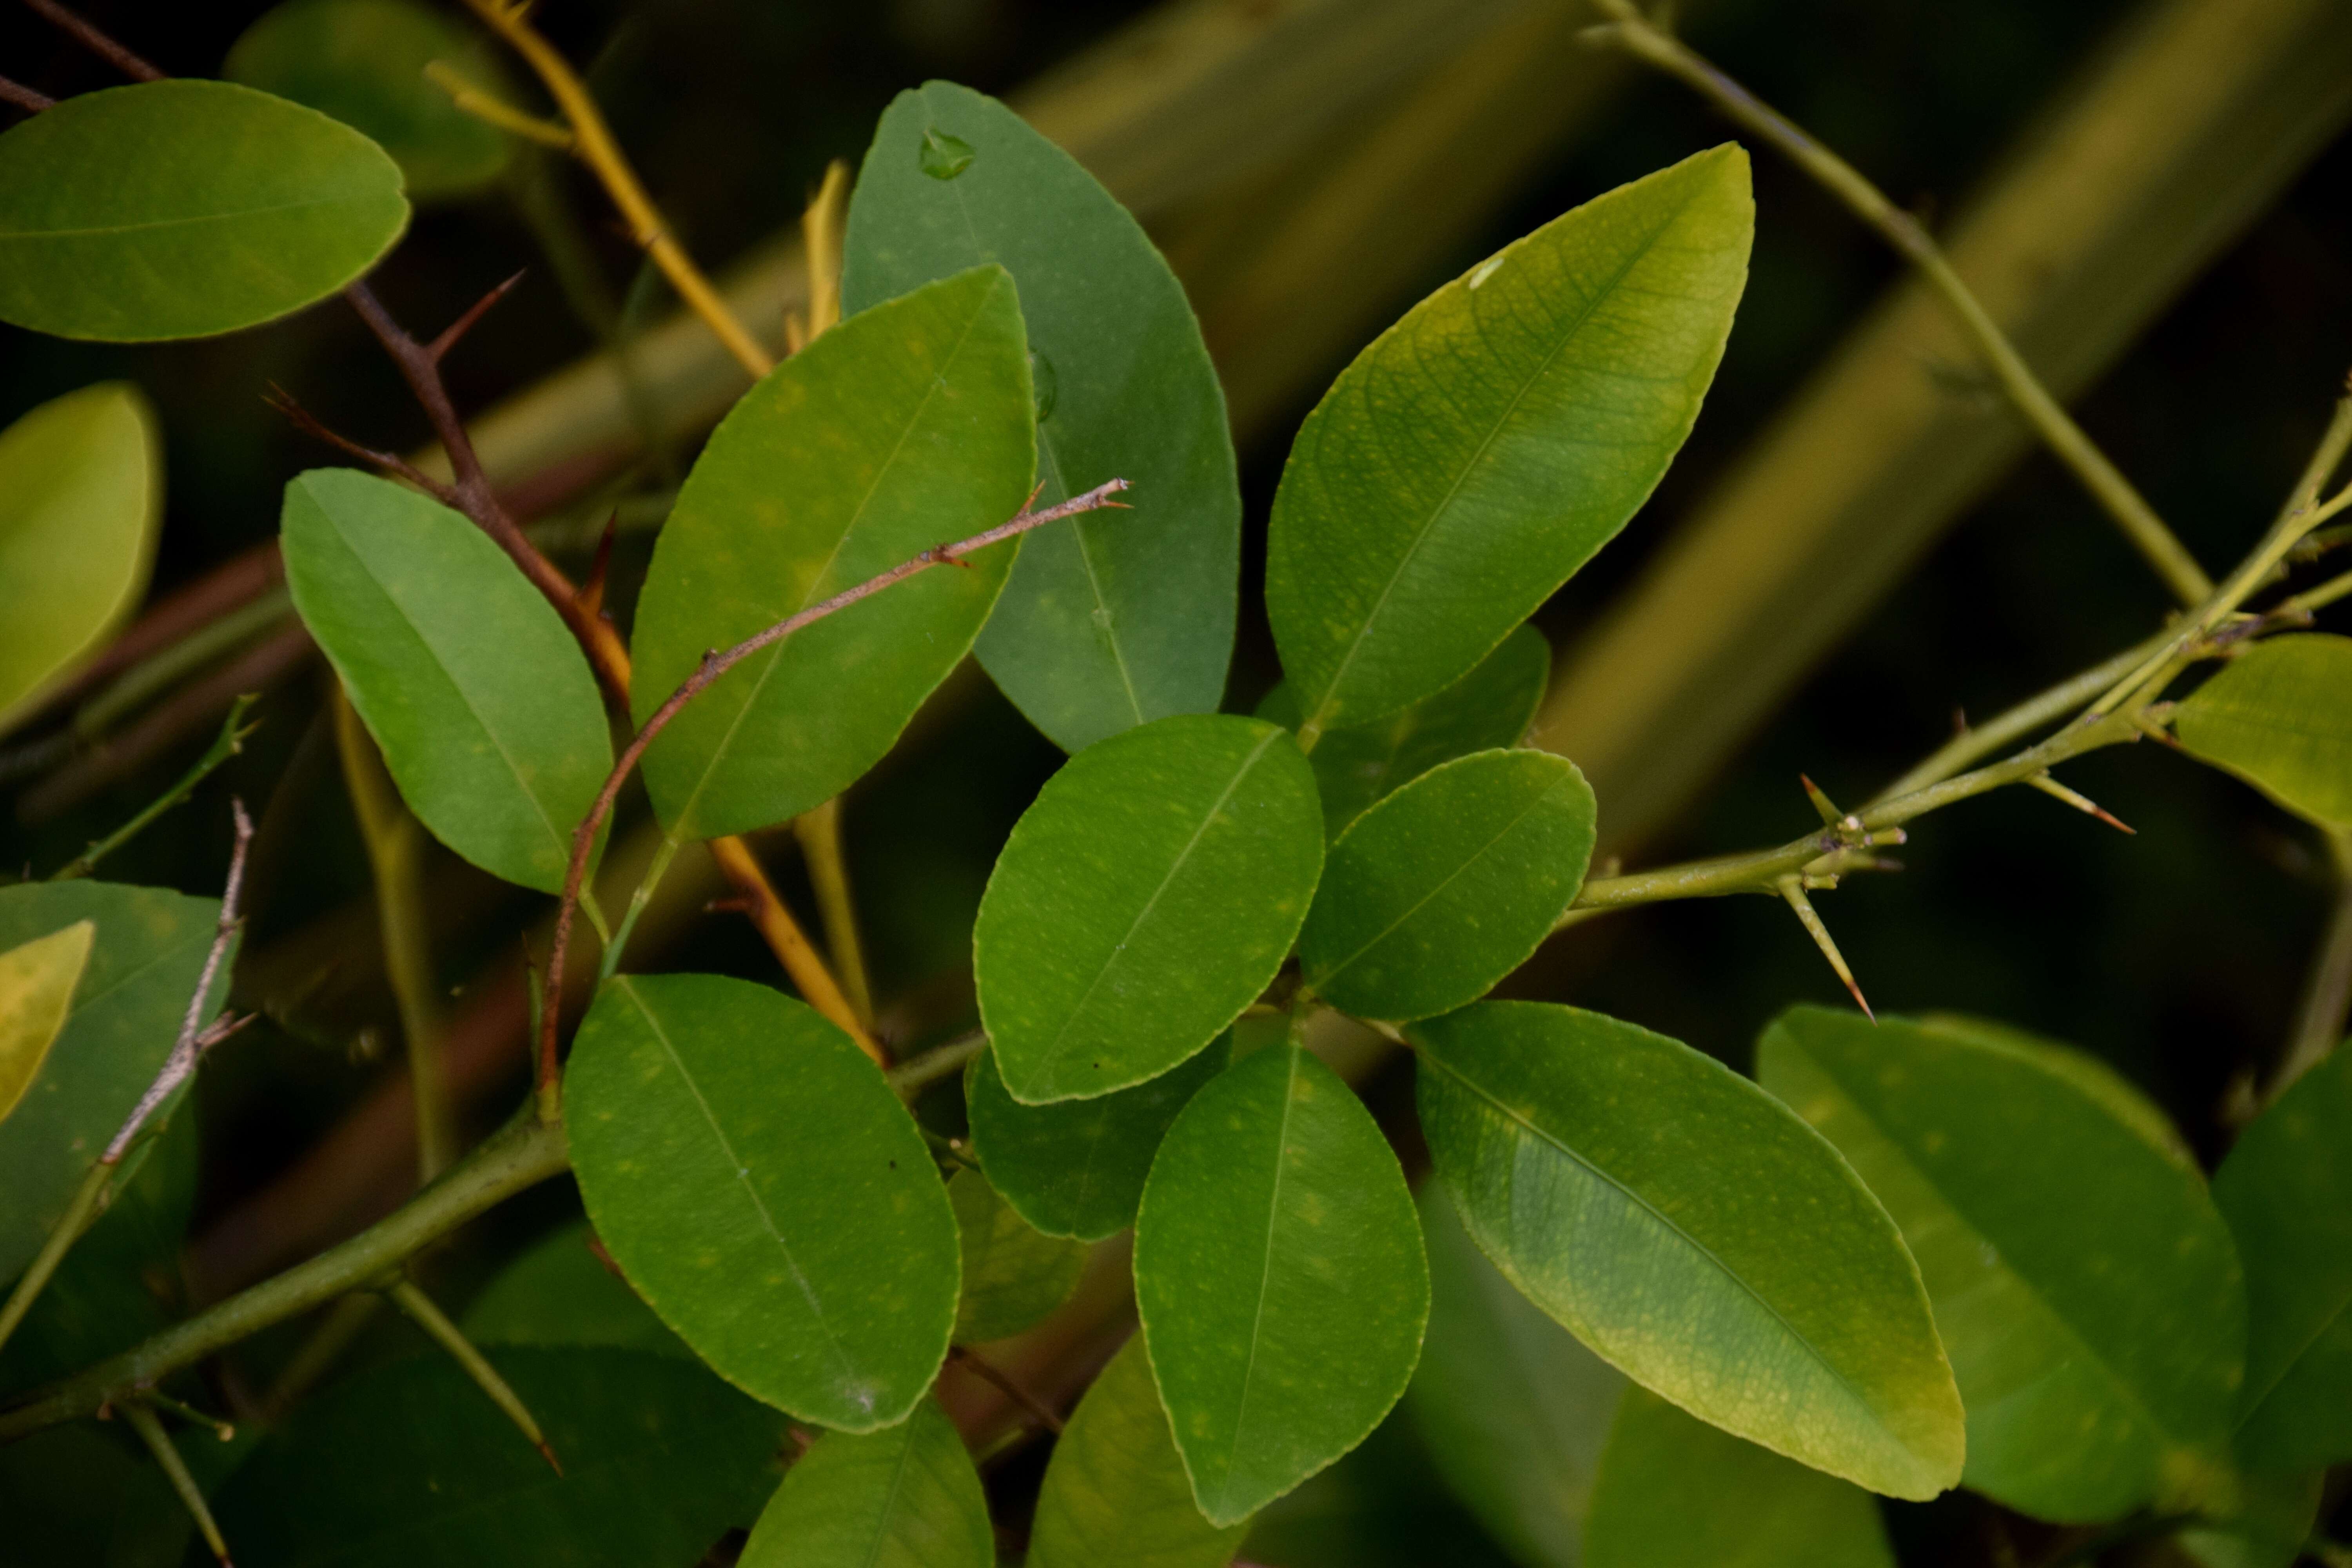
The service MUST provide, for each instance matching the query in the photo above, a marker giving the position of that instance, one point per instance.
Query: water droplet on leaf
(943, 156)
(1044, 384)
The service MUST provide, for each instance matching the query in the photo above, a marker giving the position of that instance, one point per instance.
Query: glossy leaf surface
(363, 61)
(37, 986)
(904, 427)
(410, 1463)
(1514, 1410)
(2084, 1285)
(1112, 619)
(1077, 1167)
(765, 1193)
(483, 704)
(905, 1496)
(1116, 1490)
(1485, 446)
(2279, 717)
(1279, 1274)
(1675, 1491)
(182, 209)
(143, 965)
(1492, 706)
(1013, 1276)
(560, 1293)
(2286, 1191)
(1145, 899)
(1694, 1233)
(1448, 885)
(81, 495)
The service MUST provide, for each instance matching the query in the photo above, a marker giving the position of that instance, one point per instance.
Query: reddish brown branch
(438, 349)
(23, 97)
(310, 424)
(1039, 1411)
(95, 42)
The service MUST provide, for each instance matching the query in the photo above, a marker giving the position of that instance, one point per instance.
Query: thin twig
(452, 334)
(471, 99)
(23, 97)
(1039, 1411)
(283, 403)
(2319, 1021)
(911, 1078)
(95, 42)
(228, 744)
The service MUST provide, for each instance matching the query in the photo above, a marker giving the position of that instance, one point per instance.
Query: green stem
(192, 1497)
(87, 1204)
(646, 886)
(230, 741)
(910, 1078)
(2319, 1023)
(427, 1315)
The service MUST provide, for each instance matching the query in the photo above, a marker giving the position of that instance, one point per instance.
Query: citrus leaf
(906, 426)
(905, 1496)
(765, 1193)
(1110, 619)
(2279, 717)
(1484, 447)
(363, 61)
(37, 987)
(1145, 898)
(2286, 1191)
(89, 1496)
(1279, 1275)
(1514, 1410)
(182, 209)
(560, 1293)
(1674, 1491)
(409, 1464)
(1694, 1233)
(1077, 1167)
(1492, 706)
(1114, 1490)
(81, 495)
(1014, 1277)
(2271, 1523)
(481, 701)
(1448, 885)
(2083, 1284)
(144, 962)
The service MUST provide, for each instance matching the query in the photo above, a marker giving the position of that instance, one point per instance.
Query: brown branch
(1037, 1408)
(23, 97)
(282, 402)
(95, 42)
(438, 349)
(713, 666)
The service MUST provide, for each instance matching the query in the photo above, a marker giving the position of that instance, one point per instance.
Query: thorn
(2082, 802)
(1793, 888)
(596, 1246)
(941, 555)
(282, 402)
(547, 1453)
(1822, 803)
(458, 329)
(590, 595)
(734, 904)
(428, 1316)
(2153, 728)
(1960, 722)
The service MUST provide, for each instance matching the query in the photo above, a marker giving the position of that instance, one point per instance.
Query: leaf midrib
(1265, 1268)
(194, 220)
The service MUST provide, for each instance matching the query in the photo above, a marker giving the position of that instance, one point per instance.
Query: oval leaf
(1279, 1275)
(1485, 446)
(560, 1293)
(88, 1496)
(1675, 1491)
(1145, 899)
(1448, 885)
(81, 494)
(144, 961)
(2286, 1191)
(1076, 1168)
(1492, 706)
(1114, 1490)
(1682, 1224)
(904, 427)
(410, 1463)
(2271, 1523)
(905, 1496)
(1012, 1275)
(1111, 619)
(37, 987)
(2084, 1285)
(180, 210)
(482, 702)
(2279, 717)
(765, 1193)
(363, 61)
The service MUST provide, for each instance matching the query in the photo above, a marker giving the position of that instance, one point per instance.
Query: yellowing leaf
(37, 987)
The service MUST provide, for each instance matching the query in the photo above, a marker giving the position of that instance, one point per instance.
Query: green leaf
(409, 1464)
(182, 209)
(1448, 885)
(2279, 717)
(363, 61)
(1014, 1277)
(81, 496)
(906, 426)
(1145, 898)
(560, 1293)
(1076, 1168)
(1675, 1491)
(143, 966)
(1485, 446)
(1111, 618)
(1279, 1275)
(765, 1193)
(2275, 1517)
(482, 702)
(1492, 706)
(88, 1496)
(905, 1496)
(1682, 1223)
(1116, 1491)
(1514, 1410)
(2084, 1285)
(37, 986)
(2286, 1191)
